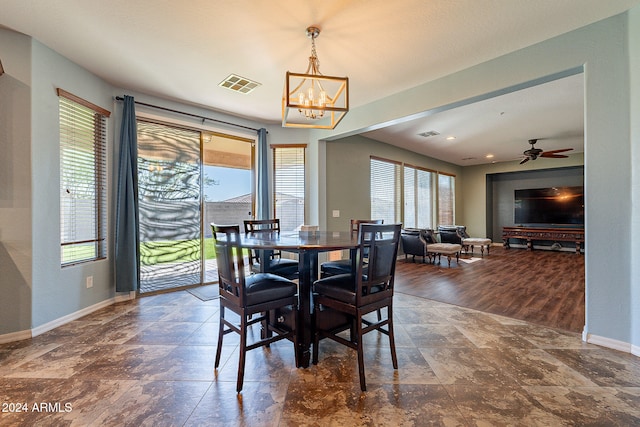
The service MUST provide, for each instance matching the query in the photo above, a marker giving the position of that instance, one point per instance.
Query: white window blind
(446, 199)
(83, 203)
(386, 190)
(418, 197)
(288, 185)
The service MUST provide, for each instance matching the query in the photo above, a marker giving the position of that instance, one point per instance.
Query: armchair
(415, 241)
(458, 234)
(452, 233)
(422, 242)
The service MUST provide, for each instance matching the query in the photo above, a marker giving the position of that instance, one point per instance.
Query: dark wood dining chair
(277, 265)
(357, 295)
(344, 266)
(261, 293)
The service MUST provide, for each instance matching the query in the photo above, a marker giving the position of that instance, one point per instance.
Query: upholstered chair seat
(263, 287)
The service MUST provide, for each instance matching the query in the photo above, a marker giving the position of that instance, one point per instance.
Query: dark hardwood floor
(542, 287)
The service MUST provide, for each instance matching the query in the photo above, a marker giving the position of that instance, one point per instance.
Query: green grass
(151, 253)
(172, 251)
(78, 253)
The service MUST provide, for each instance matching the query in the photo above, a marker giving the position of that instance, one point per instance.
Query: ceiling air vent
(239, 84)
(429, 133)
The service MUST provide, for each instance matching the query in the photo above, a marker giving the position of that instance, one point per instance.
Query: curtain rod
(119, 98)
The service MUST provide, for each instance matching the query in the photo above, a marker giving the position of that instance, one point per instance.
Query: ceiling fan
(533, 153)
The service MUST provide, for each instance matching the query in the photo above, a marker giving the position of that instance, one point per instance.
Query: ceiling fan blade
(562, 150)
(554, 156)
(525, 160)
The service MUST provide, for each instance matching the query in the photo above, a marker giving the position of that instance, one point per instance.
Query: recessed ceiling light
(451, 138)
(489, 156)
(239, 84)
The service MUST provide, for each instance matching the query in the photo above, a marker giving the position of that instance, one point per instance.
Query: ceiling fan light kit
(533, 153)
(321, 101)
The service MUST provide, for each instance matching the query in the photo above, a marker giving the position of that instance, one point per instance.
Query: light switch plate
(336, 214)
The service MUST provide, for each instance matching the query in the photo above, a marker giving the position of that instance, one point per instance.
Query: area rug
(205, 293)
(470, 260)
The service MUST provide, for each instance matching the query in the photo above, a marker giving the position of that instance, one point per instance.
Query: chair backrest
(261, 226)
(355, 227)
(452, 233)
(379, 244)
(231, 274)
(355, 223)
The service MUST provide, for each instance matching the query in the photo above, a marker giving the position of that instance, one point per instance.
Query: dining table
(308, 245)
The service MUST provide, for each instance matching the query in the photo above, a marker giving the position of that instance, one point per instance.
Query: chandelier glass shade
(321, 101)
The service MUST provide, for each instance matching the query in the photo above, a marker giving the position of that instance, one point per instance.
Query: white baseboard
(34, 332)
(635, 350)
(609, 343)
(15, 336)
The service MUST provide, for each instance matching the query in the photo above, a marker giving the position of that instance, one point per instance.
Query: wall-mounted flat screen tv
(553, 205)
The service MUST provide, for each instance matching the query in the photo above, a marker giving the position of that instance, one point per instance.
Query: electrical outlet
(89, 282)
(336, 214)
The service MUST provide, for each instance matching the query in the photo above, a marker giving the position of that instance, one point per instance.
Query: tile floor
(149, 362)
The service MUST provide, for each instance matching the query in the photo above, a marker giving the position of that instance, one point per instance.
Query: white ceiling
(499, 127)
(183, 50)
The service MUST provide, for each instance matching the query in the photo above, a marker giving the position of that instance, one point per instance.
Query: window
(288, 185)
(446, 199)
(410, 194)
(82, 179)
(386, 190)
(418, 197)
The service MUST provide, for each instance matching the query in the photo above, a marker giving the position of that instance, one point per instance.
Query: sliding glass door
(227, 187)
(169, 194)
(187, 180)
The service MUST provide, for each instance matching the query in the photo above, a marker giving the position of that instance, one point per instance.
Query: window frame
(395, 189)
(275, 168)
(71, 108)
(452, 180)
(400, 190)
(432, 175)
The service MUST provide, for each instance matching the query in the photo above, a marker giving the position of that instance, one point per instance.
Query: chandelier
(321, 101)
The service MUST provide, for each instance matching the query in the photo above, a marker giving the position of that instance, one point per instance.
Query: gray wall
(612, 113)
(57, 291)
(501, 200)
(634, 50)
(602, 51)
(477, 215)
(348, 176)
(15, 183)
